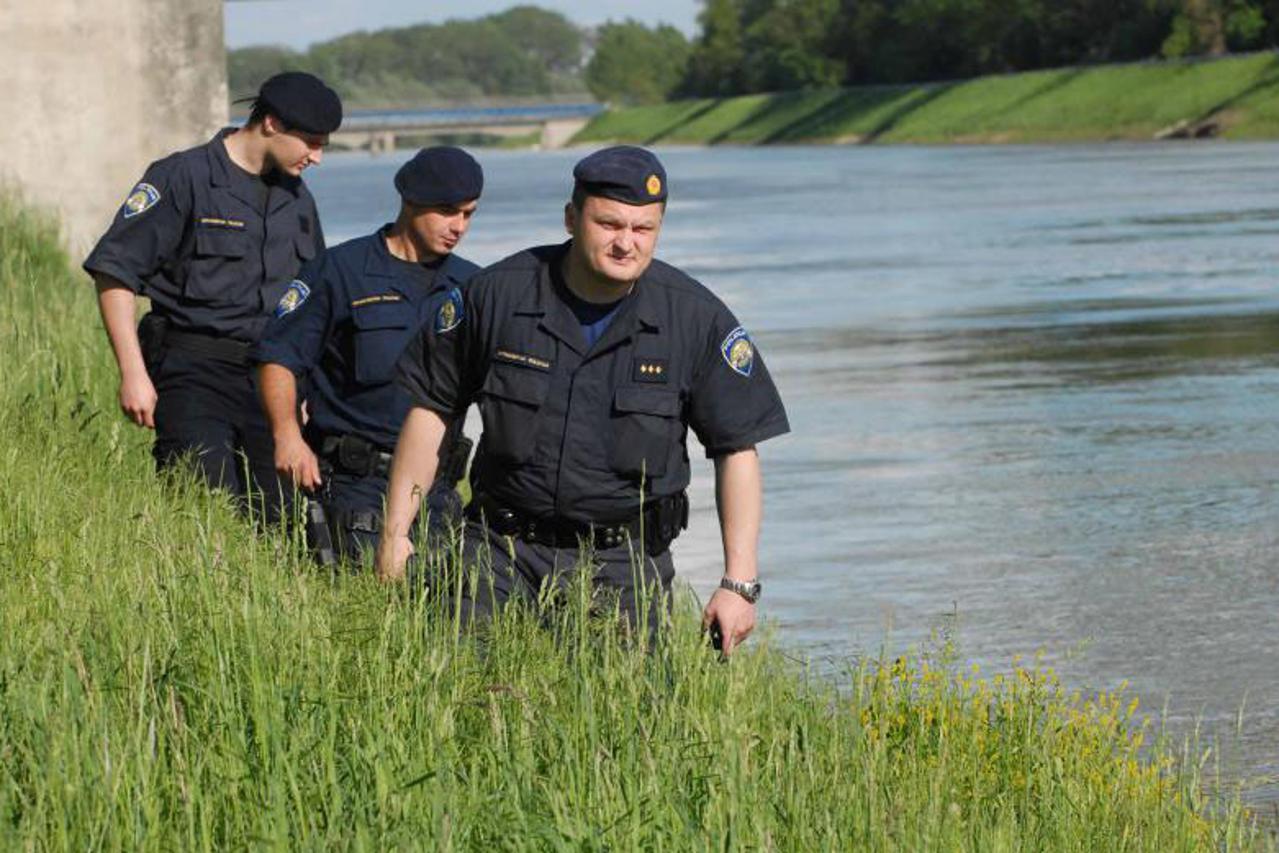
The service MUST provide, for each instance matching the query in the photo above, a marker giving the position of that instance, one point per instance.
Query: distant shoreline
(1234, 97)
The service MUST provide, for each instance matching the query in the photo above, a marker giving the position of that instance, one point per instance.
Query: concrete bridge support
(94, 91)
(557, 133)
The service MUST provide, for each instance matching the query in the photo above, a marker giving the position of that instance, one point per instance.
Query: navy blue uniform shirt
(571, 430)
(361, 307)
(200, 238)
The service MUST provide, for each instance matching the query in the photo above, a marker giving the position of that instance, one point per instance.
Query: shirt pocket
(305, 245)
(218, 269)
(381, 334)
(643, 427)
(509, 400)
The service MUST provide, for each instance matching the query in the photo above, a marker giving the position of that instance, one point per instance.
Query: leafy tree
(637, 65)
(790, 46)
(524, 51)
(715, 64)
(249, 66)
(547, 38)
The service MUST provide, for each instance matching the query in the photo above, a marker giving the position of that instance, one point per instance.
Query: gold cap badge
(654, 185)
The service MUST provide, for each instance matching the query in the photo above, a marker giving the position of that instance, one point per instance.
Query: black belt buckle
(610, 536)
(504, 522)
(355, 455)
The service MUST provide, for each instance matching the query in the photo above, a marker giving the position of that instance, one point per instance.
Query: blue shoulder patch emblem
(142, 199)
(738, 351)
(293, 297)
(450, 314)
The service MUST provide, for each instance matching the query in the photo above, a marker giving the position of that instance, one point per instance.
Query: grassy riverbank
(169, 680)
(1239, 94)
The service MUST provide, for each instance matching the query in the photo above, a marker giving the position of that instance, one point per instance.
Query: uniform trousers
(208, 410)
(354, 506)
(501, 569)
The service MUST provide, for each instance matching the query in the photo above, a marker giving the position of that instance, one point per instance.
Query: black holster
(667, 518)
(453, 458)
(152, 330)
(319, 537)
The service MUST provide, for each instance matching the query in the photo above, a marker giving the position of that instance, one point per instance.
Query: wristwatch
(748, 590)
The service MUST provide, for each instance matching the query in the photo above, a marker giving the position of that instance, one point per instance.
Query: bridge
(380, 130)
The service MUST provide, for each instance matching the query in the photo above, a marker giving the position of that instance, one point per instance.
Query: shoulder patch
(449, 315)
(738, 351)
(142, 199)
(293, 297)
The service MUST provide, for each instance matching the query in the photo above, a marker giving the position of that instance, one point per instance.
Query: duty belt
(350, 454)
(659, 524)
(226, 349)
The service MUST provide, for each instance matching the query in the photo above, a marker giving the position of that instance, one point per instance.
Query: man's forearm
(117, 304)
(278, 389)
(413, 468)
(739, 497)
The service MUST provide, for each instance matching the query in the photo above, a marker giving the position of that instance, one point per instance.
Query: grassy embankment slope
(1075, 104)
(171, 681)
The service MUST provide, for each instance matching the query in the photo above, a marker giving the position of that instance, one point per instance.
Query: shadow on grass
(767, 112)
(683, 120)
(851, 105)
(1056, 82)
(1269, 80)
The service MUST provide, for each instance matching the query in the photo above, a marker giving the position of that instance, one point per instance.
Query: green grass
(171, 681)
(1073, 104)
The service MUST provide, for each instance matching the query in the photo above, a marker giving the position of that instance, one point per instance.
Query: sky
(299, 23)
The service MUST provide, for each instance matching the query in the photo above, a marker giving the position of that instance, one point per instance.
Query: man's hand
(393, 554)
(137, 398)
(732, 614)
(295, 460)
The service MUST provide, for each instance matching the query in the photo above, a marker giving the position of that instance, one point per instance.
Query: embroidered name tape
(374, 300)
(521, 358)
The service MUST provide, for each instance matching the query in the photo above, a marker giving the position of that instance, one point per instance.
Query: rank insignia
(738, 351)
(650, 370)
(450, 314)
(294, 296)
(142, 199)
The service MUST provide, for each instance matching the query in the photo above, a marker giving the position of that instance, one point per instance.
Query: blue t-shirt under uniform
(595, 317)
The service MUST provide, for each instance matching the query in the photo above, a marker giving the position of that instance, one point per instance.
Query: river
(1034, 394)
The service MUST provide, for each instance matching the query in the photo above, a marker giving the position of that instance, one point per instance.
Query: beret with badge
(623, 173)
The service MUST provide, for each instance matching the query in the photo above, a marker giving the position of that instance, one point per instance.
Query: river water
(1034, 394)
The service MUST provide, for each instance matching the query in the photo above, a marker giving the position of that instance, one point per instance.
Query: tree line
(522, 52)
(769, 45)
(745, 46)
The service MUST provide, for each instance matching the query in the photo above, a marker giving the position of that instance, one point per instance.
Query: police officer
(212, 236)
(589, 361)
(343, 323)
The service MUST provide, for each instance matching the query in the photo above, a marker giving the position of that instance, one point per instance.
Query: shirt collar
(224, 173)
(639, 311)
(380, 263)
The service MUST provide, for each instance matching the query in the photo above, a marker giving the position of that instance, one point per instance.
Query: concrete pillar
(557, 133)
(95, 91)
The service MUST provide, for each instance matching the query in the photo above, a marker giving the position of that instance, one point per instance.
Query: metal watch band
(748, 590)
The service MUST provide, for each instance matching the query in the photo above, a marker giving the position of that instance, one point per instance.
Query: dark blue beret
(440, 175)
(624, 173)
(302, 102)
